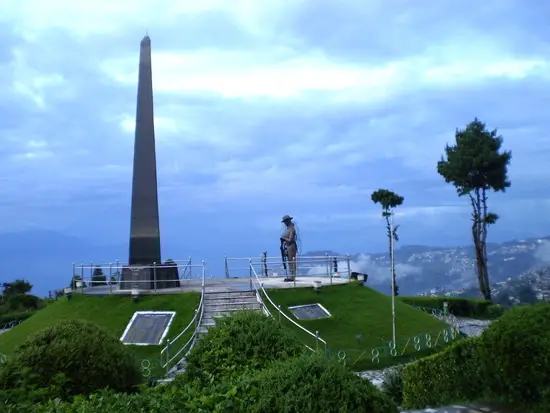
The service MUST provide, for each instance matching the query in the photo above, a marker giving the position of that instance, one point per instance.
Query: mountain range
(45, 259)
(423, 268)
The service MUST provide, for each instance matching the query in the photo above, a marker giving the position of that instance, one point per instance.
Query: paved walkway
(223, 284)
(467, 408)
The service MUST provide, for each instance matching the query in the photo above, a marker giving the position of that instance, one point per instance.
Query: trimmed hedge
(81, 355)
(515, 355)
(448, 377)
(509, 362)
(247, 340)
(8, 318)
(311, 384)
(460, 307)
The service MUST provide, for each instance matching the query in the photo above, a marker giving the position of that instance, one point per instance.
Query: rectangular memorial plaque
(147, 328)
(309, 311)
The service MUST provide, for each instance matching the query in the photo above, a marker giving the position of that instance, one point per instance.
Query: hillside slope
(361, 320)
(111, 312)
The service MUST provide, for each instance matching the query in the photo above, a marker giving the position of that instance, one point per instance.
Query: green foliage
(98, 278)
(89, 358)
(460, 307)
(515, 354)
(475, 161)
(16, 287)
(387, 199)
(392, 384)
(8, 318)
(20, 303)
(311, 384)
(448, 377)
(246, 340)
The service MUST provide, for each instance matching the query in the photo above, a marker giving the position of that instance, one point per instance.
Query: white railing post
(155, 277)
(190, 268)
(317, 341)
(110, 278)
(226, 268)
(202, 284)
(91, 274)
(82, 272)
(349, 266)
(279, 308)
(250, 272)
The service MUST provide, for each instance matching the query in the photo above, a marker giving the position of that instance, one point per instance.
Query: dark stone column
(144, 226)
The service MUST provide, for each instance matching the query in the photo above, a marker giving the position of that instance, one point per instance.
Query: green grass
(111, 312)
(361, 310)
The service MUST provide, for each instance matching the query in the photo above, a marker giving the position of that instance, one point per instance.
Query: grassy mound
(361, 321)
(110, 312)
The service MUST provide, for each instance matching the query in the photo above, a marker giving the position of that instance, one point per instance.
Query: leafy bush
(313, 384)
(450, 376)
(171, 399)
(89, 358)
(392, 384)
(246, 340)
(515, 354)
(22, 302)
(8, 318)
(495, 311)
(460, 307)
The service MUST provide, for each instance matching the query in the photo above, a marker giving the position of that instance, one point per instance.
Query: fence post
(250, 272)
(279, 307)
(91, 273)
(110, 278)
(349, 267)
(155, 277)
(226, 268)
(168, 342)
(190, 268)
(82, 272)
(317, 341)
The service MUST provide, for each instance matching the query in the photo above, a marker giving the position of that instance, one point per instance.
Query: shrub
(246, 340)
(11, 317)
(460, 307)
(392, 384)
(22, 302)
(313, 384)
(89, 358)
(447, 377)
(515, 354)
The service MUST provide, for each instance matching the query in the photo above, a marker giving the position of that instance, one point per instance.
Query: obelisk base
(149, 278)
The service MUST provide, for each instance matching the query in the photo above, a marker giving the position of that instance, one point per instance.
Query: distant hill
(421, 268)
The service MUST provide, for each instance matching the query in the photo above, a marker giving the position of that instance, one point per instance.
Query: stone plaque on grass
(147, 328)
(309, 311)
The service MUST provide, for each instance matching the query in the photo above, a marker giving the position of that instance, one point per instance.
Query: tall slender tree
(475, 165)
(389, 200)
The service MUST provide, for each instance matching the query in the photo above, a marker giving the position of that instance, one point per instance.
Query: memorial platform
(220, 285)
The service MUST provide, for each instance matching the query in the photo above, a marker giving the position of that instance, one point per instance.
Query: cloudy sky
(269, 107)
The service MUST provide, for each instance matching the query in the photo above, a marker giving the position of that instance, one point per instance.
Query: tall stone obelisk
(145, 270)
(144, 227)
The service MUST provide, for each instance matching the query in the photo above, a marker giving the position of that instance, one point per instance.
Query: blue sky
(265, 108)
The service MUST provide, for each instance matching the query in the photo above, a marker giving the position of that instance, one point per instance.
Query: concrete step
(233, 299)
(215, 308)
(228, 294)
(224, 312)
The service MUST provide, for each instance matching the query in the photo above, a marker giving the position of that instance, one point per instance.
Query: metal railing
(107, 277)
(306, 266)
(166, 357)
(263, 294)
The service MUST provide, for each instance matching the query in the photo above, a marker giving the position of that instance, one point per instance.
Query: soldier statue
(289, 243)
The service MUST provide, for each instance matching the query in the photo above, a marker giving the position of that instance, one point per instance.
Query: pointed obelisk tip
(146, 39)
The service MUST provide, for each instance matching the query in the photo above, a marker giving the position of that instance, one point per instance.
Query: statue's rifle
(284, 256)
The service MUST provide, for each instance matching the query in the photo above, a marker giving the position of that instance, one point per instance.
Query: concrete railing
(263, 294)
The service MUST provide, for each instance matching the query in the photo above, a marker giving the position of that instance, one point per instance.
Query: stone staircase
(218, 304)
